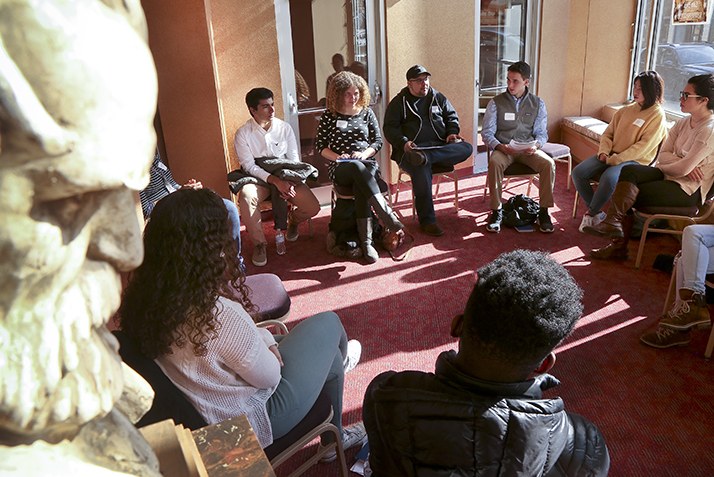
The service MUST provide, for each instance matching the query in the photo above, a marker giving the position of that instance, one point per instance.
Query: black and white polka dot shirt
(345, 134)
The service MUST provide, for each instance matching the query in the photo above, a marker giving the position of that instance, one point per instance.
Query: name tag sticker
(639, 122)
(341, 123)
(509, 116)
(435, 109)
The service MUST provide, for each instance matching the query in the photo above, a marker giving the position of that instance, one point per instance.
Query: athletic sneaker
(666, 338)
(546, 226)
(354, 352)
(591, 221)
(293, 232)
(494, 221)
(352, 436)
(260, 255)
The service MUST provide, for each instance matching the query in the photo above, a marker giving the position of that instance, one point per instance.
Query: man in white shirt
(263, 136)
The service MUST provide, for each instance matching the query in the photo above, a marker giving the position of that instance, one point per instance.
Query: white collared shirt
(252, 141)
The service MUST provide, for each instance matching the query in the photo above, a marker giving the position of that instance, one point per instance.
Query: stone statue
(78, 95)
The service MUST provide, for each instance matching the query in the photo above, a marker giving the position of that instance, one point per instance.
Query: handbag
(392, 241)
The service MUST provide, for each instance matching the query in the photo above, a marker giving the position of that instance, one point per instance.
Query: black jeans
(362, 177)
(655, 190)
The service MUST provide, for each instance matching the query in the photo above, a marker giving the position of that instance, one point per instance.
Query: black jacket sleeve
(393, 124)
(451, 119)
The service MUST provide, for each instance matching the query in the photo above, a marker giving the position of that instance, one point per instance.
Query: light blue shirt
(490, 123)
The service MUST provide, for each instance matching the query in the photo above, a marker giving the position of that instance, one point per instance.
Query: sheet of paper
(521, 146)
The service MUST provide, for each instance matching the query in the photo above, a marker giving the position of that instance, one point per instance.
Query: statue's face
(77, 139)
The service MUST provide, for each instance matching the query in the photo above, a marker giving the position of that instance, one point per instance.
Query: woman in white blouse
(188, 308)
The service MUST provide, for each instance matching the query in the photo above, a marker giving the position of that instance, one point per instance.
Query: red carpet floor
(655, 407)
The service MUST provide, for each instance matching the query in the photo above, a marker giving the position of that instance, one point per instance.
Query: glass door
(317, 39)
(503, 28)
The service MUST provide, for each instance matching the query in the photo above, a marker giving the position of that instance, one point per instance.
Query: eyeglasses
(685, 96)
(420, 80)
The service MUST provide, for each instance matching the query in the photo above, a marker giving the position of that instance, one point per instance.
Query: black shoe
(494, 221)
(415, 158)
(546, 226)
(433, 229)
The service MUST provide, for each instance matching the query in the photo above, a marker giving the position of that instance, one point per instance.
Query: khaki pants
(305, 206)
(539, 162)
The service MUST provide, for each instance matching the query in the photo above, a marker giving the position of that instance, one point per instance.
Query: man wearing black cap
(423, 129)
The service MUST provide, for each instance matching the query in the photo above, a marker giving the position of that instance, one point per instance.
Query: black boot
(364, 229)
(385, 213)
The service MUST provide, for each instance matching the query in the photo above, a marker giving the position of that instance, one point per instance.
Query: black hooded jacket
(451, 424)
(402, 123)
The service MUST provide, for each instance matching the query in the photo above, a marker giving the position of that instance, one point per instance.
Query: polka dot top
(345, 134)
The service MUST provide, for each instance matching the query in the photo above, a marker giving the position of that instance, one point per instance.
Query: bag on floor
(343, 238)
(520, 210)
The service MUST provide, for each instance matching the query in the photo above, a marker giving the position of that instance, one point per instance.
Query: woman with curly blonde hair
(187, 307)
(348, 135)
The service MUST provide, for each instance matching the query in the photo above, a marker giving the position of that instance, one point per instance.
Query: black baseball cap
(415, 71)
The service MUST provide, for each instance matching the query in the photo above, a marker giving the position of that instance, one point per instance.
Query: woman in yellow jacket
(631, 138)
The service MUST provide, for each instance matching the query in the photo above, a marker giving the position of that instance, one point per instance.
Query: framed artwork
(690, 12)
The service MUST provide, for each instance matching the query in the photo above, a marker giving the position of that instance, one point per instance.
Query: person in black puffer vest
(482, 411)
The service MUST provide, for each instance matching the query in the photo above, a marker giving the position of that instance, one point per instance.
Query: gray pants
(313, 353)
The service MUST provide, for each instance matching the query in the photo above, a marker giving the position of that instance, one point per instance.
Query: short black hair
(255, 95)
(652, 86)
(704, 86)
(523, 305)
(521, 67)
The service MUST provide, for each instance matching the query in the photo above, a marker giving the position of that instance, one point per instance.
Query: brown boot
(617, 249)
(689, 311)
(623, 198)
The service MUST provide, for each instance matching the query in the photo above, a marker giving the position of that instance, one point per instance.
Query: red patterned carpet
(655, 407)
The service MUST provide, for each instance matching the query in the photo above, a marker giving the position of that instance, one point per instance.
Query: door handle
(377, 94)
(292, 104)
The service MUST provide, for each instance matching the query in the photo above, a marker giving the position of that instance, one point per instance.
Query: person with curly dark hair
(682, 177)
(348, 136)
(187, 307)
(483, 408)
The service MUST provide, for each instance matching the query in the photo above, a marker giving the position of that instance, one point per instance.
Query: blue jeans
(589, 168)
(697, 260)
(234, 217)
(313, 353)
(449, 154)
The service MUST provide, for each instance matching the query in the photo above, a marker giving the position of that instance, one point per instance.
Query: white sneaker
(599, 218)
(352, 436)
(354, 352)
(591, 221)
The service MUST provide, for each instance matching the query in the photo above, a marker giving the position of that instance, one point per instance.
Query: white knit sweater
(236, 376)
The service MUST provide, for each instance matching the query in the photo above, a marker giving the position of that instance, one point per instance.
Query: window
(675, 38)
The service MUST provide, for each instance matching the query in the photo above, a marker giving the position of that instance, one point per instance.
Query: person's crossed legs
(421, 176)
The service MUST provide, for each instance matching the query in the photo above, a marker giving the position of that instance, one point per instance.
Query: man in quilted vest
(514, 129)
(482, 412)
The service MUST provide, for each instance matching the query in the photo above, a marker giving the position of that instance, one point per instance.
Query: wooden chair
(514, 170)
(439, 171)
(669, 299)
(560, 152)
(685, 215)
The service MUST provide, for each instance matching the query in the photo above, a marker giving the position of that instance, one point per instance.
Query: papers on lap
(521, 146)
